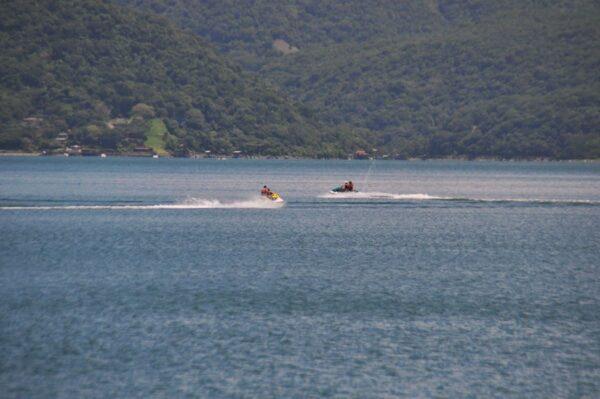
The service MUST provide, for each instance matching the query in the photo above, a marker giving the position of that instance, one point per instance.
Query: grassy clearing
(155, 136)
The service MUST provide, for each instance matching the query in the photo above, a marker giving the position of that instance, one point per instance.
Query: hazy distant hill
(512, 78)
(101, 73)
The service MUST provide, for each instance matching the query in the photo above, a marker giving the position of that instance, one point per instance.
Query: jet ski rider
(348, 186)
(266, 191)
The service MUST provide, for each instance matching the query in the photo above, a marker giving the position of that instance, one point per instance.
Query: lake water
(172, 278)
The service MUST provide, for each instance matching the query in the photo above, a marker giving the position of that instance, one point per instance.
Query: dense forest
(412, 78)
(492, 91)
(507, 78)
(102, 74)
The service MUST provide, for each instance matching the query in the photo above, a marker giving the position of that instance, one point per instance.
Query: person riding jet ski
(344, 188)
(273, 196)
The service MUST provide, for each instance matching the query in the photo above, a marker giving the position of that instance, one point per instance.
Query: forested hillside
(104, 74)
(246, 29)
(492, 91)
(507, 78)
(412, 78)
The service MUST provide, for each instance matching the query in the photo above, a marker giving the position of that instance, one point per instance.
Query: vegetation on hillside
(99, 72)
(490, 91)
(425, 78)
(509, 78)
(246, 29)
(157, 136)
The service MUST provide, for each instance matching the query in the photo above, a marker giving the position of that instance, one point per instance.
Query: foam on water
(261, 203)
(426, 197)
(379, 195)
(540, 201)
(190, 203)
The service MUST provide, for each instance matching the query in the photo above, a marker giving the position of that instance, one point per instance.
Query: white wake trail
(427, 197)
(379, 195)
(190, 203)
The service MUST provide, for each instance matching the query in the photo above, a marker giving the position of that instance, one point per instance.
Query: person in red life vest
(348, 186)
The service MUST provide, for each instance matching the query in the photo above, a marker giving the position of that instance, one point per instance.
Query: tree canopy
(98, 71)
(424, 78)
(507, 78)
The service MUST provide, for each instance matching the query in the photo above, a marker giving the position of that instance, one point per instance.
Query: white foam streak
(191, 203)
(379, 195)
(263, 203)
(427, 197)
(531, 200)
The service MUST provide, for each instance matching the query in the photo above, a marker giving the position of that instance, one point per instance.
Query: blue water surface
(129, 278)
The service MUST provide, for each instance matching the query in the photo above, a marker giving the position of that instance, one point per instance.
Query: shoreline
(295, 158)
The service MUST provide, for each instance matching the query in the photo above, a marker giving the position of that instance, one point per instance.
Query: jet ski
(343, 189)
(339, 190)
(275, 197)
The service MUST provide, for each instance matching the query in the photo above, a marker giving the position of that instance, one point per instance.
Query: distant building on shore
(61, 138)
(73, 150)
(361, 154)
(143, 151)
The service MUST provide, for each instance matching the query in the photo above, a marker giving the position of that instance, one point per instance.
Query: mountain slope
(246, 29)
(488, 89)
(509, 78)
(98, 70)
